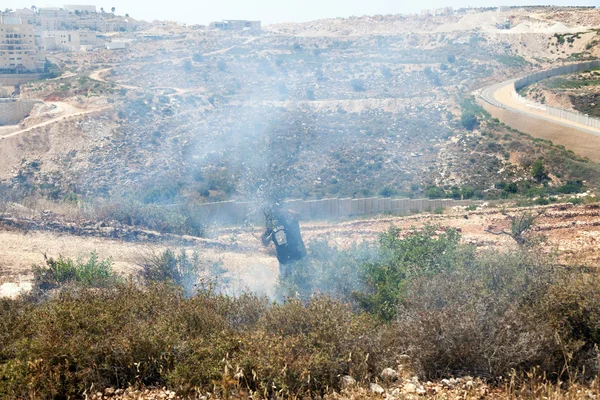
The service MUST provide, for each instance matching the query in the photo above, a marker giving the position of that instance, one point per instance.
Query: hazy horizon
(272, 11)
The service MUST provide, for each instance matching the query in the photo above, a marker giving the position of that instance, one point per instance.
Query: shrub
(435, 192)
(57, 272)
(156, 336)
(538, 171)
(477, 318)
(190, 273)
(468, 120)
(357, 85)
(572, 186)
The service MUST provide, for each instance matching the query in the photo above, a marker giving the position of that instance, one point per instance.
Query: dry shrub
(480, 319)
(127, 335)
(294, 349)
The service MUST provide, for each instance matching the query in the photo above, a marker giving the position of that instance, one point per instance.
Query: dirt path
(69, 111)
(96, 77)
(226, 50)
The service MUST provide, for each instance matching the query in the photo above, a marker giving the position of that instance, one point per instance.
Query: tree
(127, 15)
(358, 85)
(112, 10)
(519, 225)
(187, 65)
(538, 171)
(468, 120)
(102, 10)
(451, 58)
(33, 8)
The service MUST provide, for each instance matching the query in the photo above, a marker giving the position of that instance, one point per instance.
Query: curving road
(502, 95)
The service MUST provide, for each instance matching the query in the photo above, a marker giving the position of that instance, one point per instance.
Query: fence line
(237, 212)
(579, 118)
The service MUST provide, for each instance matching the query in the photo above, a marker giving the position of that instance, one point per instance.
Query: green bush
(372, 277)
(435, 192)
(469, 120)
(538, 170)
(57, 272)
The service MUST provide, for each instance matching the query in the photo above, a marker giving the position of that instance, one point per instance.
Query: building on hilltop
(67, 40)
(53, 18)
(80, 9)
(236, 25)
(18, 50)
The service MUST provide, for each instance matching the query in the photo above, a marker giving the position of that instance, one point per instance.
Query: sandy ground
(505, 96)
(573, 231)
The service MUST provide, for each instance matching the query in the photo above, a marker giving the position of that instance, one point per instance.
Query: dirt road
(67, 111)
(500, 102)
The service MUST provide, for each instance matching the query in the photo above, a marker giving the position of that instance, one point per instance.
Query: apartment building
(18, 50)
(67, 40)
(53, 18)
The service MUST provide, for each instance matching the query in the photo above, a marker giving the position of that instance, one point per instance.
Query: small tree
(187, 65)
(112, 10)
(468, 120)
(538, 171)
(357, 85)
(519, 226)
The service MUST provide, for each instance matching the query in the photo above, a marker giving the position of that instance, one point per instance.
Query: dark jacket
(284, 231)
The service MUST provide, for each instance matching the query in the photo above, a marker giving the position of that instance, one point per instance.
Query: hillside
(351, 107)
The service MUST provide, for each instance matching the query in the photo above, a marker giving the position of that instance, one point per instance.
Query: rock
(119, 392)
(410, 388)
(389, 375)
(469, 385)
(347, 382)
(375, 388)
(109, 391)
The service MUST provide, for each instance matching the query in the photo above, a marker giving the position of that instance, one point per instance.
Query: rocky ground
(377, 108)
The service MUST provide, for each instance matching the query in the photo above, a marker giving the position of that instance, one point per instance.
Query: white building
(53, 18)
(68, 40)
(80, 8)
(18, 51)
(115, 45)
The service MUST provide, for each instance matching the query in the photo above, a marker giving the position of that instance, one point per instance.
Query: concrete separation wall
(576, 117)
(13, 111)
(17, 79)
(238, 212)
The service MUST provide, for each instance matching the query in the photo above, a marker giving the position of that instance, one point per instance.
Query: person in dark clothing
(283, 229)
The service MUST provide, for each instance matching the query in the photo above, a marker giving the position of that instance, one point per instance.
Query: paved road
(499, 95)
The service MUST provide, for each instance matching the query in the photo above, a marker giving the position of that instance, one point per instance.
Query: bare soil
(572, 231)
(581, 143)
